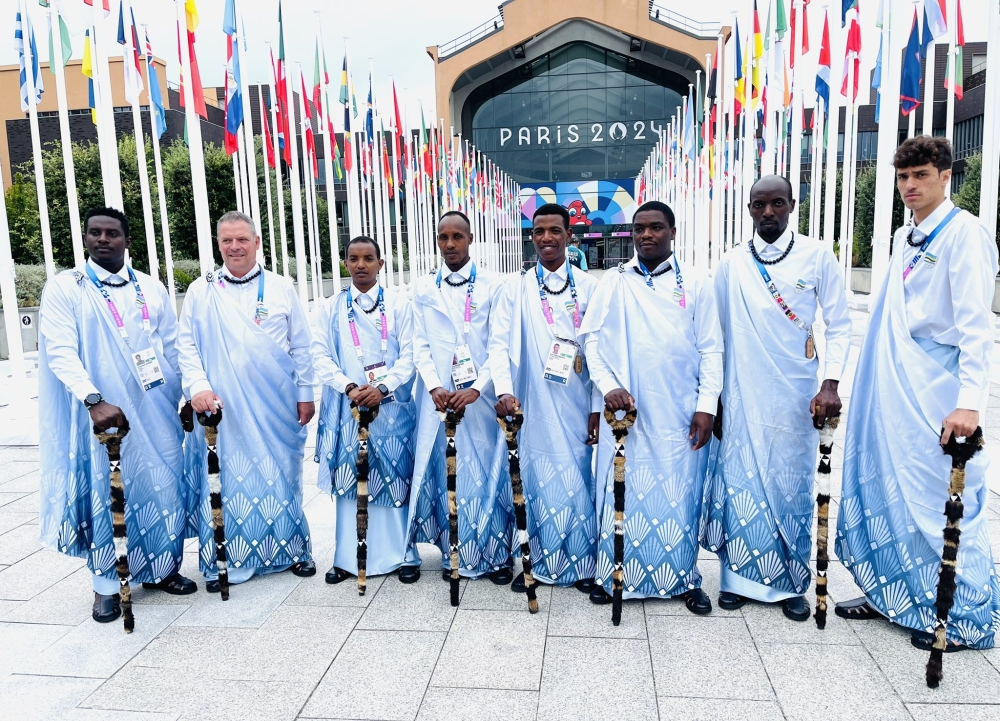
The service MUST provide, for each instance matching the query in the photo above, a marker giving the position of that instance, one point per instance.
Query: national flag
(781, 22)
(851, 18)
(370, 115)
(132, 67)
(757, 85)
(191, 22)
(317, 93)
(285, 112)
(739, 91)
(65, 42)
(346, 96)
(20, 30)
(234, 93)
(823, 67)
(936, 18)
(159, 113)
(956, 57)
(877, 83)
(265, 122)
(805, 30)
(307, 129)
(689, 133)
(88, 71)
(909, 84)
(386, 162)
(106, 5)
(397, 127)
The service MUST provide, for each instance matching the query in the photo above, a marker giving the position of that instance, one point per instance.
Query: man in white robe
(452, 312)
(363, 351)
(760, 498)
(243, 347)
(93, 322)
(537, 366)
(923, 376)
(653, 342)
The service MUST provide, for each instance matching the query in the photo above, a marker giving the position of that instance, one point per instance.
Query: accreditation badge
(562, 357)
(463, 368)
(147, 365)
(375, 374)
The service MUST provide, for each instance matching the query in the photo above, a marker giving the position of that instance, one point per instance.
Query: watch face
(92, 400)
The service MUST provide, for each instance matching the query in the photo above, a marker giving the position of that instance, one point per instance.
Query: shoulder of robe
(584, 279)
(423, 287)
(65, 281)
(199, 284)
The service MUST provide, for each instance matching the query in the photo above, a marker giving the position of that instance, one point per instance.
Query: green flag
(64, 40)
(782, 24)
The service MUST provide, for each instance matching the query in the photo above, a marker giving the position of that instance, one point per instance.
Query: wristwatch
(92, 400)
(350, 387)
(383, 390)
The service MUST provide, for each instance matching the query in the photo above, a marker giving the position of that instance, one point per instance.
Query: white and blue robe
(260, 442)
(391, 435)
(555, 458)
(760, 497)
(926, 353)
(81, 352)
(485, 500)
(669, 359)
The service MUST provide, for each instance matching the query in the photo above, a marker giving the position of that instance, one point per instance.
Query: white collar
(779, 246)
(933, 220)
(634, 263)
(103, 274)
(559, 273)
(371, 293)
(228, 274)
(464, 272)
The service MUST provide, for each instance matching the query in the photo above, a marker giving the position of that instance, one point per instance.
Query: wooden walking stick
(620, 430)
(954, 509)
(823, 515)
(211, 425)
(511, 425)
(451, 421)
(112, 443)
(364, 417)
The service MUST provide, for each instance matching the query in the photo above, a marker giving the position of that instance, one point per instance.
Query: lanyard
(927, 241)
(547, 309)
(467, 317)
(354, 329)
(260, 313)
(776, 294)
(679, 293)
(140, 301)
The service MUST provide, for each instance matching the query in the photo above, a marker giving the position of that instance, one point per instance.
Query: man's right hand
(441, 398)
(105, 416)
(507, 405)
(618, 400)
(206, 402)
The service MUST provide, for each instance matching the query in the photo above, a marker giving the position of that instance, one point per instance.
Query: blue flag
(909, 84)
(877, 82)
(20, 30)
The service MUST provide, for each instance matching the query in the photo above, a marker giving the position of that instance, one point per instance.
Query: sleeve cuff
(707, 403)
(306, 394)
(83, 390)
(607, 385)
(596, 401)
(200, 387)
(432, 381)
(969, 399)
(481, 383)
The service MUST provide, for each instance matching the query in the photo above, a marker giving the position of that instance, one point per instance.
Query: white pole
(929, 90)
(278, 185)
(847, 190)
(330, 144)
(991, 143)
(308, 178)
(107, 139)
(833, 140)
(36, 144)
(11, 318)
(295, 184)
(244, 158)
(72, 201)
(949, 124)
(816, 174)
(237, 181)
(888, 139)
(794, 141)
(267, 180)
(251, 147)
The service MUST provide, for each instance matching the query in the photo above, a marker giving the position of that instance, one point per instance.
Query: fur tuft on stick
(112, 443)
(826, 434)
(211, 425)
(364, 417)
(451, 421)
(511, 425)
(619, 427)
(961, 453)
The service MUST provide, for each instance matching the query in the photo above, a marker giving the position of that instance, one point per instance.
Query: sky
(392, 35)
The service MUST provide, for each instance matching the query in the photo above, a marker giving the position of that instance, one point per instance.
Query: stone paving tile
(377, 675)
(477, 704)
(18, 543)
(28, 478)
(93, 714)
(9, 521)
(486, 596)
(98, 650)
(179, 648)
(43, 698)
(32, 575)
(249, 603)
(572, 690)
(9, 607)
(829, 682)
(8, 497)
(18, 453)
(969, 677)
(23, 641)
(12, 470)
(507, 648)
(317, 592)
(767, 624)
(69, 601)
(421, 606)
(965, 712)
(572, 614)
(711, 709)
(707, 657)
(27, 503)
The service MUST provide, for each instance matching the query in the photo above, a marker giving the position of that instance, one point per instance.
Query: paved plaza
(287, 648)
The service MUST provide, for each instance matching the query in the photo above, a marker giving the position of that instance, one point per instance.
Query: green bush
(29, 281)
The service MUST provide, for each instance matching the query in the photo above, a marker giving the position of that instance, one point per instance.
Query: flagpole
(252, 187)
(295, 184)
(310, 197)
(991, 143)
(237, 180)
(949, 124)
(330, 145)
(888, 139)
(58, 68)
(279, 190)
(816, 169)
(396, 189)
(160, 189)
(107, 140)
(27, 37)
(794, 146)
(847, 190)
(929, 90)
(267, 180)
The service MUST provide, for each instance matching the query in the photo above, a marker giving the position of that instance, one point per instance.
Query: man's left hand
(367, 396)
(307, 409)
(463, 398)
(959, 423)
(593, 429)
(826, 404)
(701, 430)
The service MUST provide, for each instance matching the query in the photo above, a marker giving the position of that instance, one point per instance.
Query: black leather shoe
(697, 602)
(733, 601)
(304, 569)
(599, 596)
(212, 586)
(519, 586)
(107, 608)
(176, 585)
(336, 575)
(584, 585)
(409, 574)
(502, 577)
(925, 641)
(795, 608)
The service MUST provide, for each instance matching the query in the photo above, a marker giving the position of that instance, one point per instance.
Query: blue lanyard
(772, 288)
(467, 316)
(140, 301)
(927, 241)
(354, 329)
(260, 313)
(547, 309)
(679, 293)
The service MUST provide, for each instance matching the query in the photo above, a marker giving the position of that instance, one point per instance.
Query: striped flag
(308, 130)
(956, 57)
(823, 67)
(234, 95)
(197, 90)
(758, 59)
(268, 140)
(851, 18)
(22, 28)
(132, 66)
(281, 94)
(936, 18)
(88, 70)
(346, 99)
(739, 94)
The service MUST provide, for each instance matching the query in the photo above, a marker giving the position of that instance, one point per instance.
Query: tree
(864, 216)
(967, 196)
(22, 217)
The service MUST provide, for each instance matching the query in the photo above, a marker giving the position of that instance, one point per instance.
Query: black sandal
(857, 609)
(924, 640)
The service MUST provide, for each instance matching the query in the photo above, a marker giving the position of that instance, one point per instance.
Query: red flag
(308, 129)
(196, 89)
(805, 33)
(284, 108)
(106, 5)
(265, 121)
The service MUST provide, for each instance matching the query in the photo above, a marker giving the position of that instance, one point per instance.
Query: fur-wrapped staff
(511, 425)
(364, 417)
(112, 443)
(954, 509)
(620, 430)
(451, 421)
(211, 424)
(826, 434)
